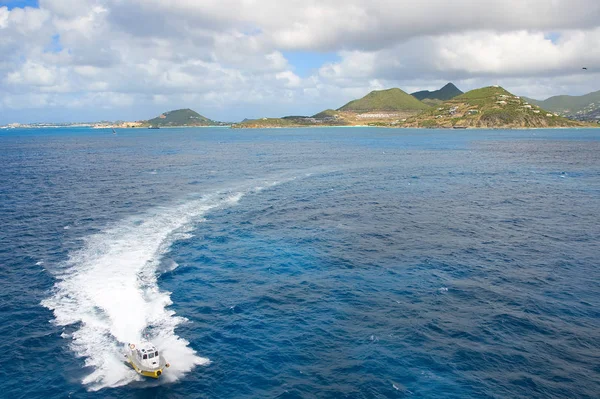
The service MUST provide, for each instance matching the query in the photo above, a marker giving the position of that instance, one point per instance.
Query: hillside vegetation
(378, 108)
(391, 100)
(325, 118)
(180, 117)
(266, 123)
(328, 113)
(488, 107)
(586, 107)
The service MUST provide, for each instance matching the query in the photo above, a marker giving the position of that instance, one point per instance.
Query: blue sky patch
(19, 3)
(306, 62)
(552, 36)
(54, 46)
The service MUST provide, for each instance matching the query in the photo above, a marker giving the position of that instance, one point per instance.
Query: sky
(92, 60)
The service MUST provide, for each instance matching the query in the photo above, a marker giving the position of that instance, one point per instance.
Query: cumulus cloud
(351, 24)
(226, 58)
(474, 54)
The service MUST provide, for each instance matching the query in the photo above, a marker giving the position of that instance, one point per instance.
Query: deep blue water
(348, 263)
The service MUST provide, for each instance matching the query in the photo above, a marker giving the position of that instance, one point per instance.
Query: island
(448, 107)
(180, 118)
(490, 107)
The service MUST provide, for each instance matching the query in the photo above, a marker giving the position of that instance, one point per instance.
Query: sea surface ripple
(301, 263)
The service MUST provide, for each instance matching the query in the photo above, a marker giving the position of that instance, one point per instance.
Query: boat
(145, 359)
(459, 127)
(113, 130)
(153, 127)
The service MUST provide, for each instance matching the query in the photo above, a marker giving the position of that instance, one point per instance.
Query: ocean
(301, 263)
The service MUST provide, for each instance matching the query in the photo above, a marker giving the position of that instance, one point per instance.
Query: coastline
(591, 126)
(587, 127)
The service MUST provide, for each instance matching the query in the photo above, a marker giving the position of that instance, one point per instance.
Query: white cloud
(227, 56)
(33, 74)
(474, 53)
(290, 78)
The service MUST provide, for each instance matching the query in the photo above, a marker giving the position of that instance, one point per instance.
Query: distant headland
(448, 107)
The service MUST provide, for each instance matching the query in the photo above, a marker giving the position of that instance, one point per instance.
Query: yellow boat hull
(151, 374)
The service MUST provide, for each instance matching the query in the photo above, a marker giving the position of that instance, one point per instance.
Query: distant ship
(153, 127)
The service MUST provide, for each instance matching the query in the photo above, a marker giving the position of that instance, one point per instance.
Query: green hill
(484, 95)
(325, 118)
(385, 100)
(265, 123)
(586, 107)
(445, 93)
(328, 113)
(180, 117)
(488, 107)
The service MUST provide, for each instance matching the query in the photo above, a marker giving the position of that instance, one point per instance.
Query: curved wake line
(108, 290)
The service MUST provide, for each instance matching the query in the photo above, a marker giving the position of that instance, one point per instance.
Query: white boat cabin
(147, 355)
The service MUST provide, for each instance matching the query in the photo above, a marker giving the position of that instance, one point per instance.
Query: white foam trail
(269, 184)
(108, 290)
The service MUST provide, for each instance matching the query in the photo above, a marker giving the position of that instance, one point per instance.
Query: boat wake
(108, 291)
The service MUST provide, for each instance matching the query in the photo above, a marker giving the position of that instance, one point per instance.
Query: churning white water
(108, 290)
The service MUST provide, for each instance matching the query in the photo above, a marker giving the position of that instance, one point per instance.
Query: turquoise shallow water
(350, 263)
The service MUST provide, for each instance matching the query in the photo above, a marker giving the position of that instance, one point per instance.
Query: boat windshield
(151, 355)
(156, 353)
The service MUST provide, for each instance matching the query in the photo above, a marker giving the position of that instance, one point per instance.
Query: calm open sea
(301, 263)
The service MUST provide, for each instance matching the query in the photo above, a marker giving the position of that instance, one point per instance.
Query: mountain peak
(449, 85)
(447, 92)
(488, 107)
(180, 117)
(385, 100)
(484, 93)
